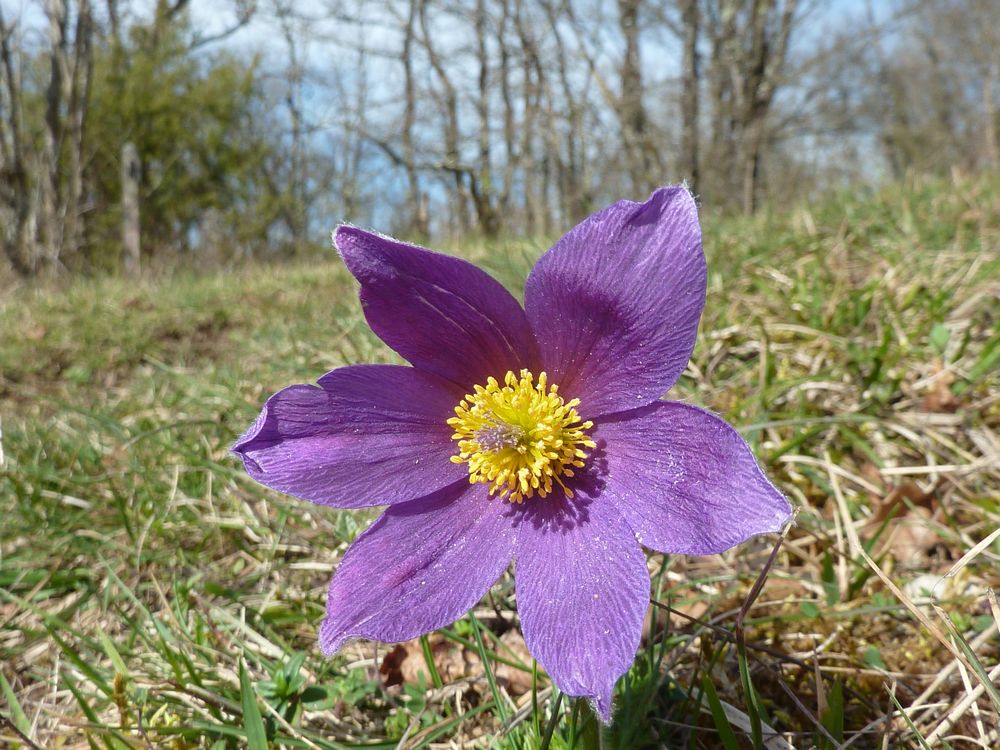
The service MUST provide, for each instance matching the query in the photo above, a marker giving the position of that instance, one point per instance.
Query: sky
(322, 53)
(215, 15)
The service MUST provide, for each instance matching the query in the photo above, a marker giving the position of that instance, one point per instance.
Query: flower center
(520, 437)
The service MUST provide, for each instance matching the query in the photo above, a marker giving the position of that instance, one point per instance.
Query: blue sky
(329, 63)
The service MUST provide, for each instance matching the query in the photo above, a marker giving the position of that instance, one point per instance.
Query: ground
(151, 595)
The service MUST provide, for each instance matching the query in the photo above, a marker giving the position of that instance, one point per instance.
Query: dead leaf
(405, 663)
(900, 497)
(910, 537)
(940, 398)
(516, 681)
(911, 540)
(451, 659)
(390, 668)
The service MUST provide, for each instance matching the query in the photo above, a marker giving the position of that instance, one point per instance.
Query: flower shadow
(560, 514)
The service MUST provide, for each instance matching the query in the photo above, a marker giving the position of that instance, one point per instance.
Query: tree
(749, 42)
(42, 137)
(641, 150)
(193, 132)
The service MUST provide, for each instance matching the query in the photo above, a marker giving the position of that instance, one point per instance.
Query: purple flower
(532, 434)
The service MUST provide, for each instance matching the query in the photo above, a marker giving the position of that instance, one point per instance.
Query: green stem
(425, 646)
(534, 697)
(590, 726)
(490, 679)
(553, 720)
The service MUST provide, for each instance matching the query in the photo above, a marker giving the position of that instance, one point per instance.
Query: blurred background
(199, 133)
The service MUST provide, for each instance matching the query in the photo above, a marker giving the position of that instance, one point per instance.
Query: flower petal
(615, 303)
(369, 435)
(685, 481)
(419, 567)
(441, 313)
(582, 593)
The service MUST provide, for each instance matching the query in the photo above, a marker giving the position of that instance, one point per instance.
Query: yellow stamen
(520, 437)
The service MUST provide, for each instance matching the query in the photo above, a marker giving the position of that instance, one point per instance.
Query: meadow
(153, 596)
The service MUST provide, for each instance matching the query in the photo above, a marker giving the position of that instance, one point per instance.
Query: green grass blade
(753, 711)
(112, 653)
(727, 736)
(833, 717)
(253, 723)
(425, 646)
(550, 728)
(72, 654)
(973, 658)
(17, 714)
(85, 707)
(490, 679)
(909, 723)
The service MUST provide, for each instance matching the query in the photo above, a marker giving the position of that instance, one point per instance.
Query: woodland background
(258, 125)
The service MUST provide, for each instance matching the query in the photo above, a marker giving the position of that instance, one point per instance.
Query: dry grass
(856, 344)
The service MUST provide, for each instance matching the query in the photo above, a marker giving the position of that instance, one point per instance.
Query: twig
(809, 714)
(741, 645)
(5, 722)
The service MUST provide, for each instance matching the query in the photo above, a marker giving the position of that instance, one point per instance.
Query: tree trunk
(460, 195)
(79, 101)
(415, 198)
(691, 19)
(990, 116)
(533, 84)
(15, 186)
(131, 175)
(574, 192)
(294, 82)
(750, 41)
(639, 150)
(482, 178)
(751, 148)
(55, 95)
(512, 155)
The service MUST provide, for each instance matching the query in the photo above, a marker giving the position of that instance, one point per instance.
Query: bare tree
(418, 218)
(484, 192)
(690, 91)
(77, 107)
(48, 179)
(15, 186)
(749, 42)
(448, 99)
(295, 73)
(573, 185)
(641, 152)
(131, 233)
(523, 115)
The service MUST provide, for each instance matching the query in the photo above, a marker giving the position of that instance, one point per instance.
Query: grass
(152, 596)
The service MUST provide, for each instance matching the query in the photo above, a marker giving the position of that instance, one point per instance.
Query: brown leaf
(911, 540)
(516, 681)
(406, 663)
(449, 658)
(870, 471)
(898, 500)
(910, 536)
(940, 398)
(35, 332)
(391, 665)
